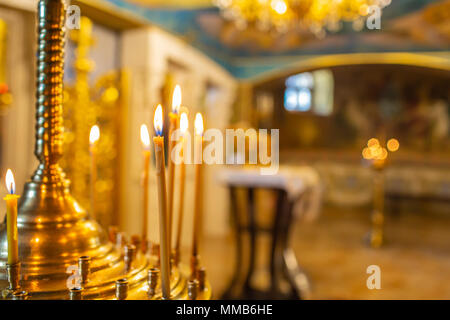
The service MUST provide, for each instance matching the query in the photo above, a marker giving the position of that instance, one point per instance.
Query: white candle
(145, 139)
(94, 136)
(158, 141)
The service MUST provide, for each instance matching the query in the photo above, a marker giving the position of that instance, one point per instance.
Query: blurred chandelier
(316, 16)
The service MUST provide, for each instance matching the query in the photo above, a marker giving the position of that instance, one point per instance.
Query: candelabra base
(102, 284)
(375, 238)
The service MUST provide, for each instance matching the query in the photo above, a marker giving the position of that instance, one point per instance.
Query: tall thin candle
(158, 141)
(198, 207)
(173, 126)
(184, 124)
(145, 139)
(94, 136)
(11, 219)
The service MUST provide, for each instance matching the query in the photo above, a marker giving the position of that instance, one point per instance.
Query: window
(310, 91)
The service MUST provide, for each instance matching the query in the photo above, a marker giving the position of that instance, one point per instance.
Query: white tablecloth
(296, 180)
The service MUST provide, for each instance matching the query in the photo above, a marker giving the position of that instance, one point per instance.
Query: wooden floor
(415, 262)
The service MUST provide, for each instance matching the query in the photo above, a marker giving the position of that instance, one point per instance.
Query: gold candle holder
(193, 289)
(20, 295)
(13, 273)
(13, 291)
(378, 157)
(76, 294)
(121, 289)
(84, 266)
(153, 276)
(377, 218)
(129, 256)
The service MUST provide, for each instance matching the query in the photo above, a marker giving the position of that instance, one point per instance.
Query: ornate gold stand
(376, 235)
(54, 231)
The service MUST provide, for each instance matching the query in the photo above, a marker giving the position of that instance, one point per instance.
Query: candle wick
(11, 189)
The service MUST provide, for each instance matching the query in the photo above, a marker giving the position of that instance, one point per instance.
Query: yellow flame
(184, 123)
(145, 137)
(373, 142)
(383, 154)
(375, 151)
(94, 134)
(176, 99)
(393, 145)
(10, 183)
(279, 6)
(366, 154)
(158, 120)
(198, 124)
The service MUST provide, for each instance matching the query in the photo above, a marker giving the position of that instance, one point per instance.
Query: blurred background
(360, 90)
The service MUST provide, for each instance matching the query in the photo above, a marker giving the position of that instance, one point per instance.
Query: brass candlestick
(378, 157)
(54, 230)
(377, 234)
(13, 291)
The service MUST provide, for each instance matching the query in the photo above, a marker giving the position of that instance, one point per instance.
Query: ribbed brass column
(49, 91)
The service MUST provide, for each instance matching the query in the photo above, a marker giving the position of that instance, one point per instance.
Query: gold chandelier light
(316, 16)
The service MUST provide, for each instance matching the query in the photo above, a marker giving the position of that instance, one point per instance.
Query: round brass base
(54, 232)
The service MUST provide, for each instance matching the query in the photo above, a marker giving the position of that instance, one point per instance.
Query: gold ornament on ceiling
(316, 16)
(174, 3)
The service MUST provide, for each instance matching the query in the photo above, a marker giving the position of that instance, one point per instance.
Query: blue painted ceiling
(407, 25)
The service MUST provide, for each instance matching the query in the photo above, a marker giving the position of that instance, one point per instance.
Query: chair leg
(293, 273)
(252, 228)
(276, 230)
(228, 293)
(299, 281)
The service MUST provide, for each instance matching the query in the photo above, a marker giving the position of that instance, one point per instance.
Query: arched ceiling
(407, 25)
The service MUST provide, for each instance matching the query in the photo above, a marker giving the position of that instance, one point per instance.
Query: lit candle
(184, 124)
(198, 189)
(11, 219)
(174, 119)
(158, 141)
(94, 136)
(145, 139)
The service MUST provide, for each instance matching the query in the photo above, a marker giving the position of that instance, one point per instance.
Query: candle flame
(10, 183)
(198, 124)
(176, 99)
(373, 142)
(94, 134)
(158, 120)
(184, 123)
(393, 145)
(145, 137)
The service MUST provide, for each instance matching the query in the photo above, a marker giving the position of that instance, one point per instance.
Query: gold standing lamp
(378, 157)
